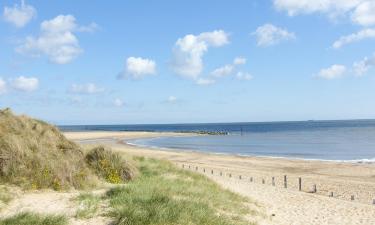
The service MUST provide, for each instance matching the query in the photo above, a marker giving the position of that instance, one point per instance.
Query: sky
(168, 61)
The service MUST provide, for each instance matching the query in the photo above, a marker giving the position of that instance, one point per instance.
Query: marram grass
(166, 195)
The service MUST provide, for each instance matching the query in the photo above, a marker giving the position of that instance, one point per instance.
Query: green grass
(166, 195)
(88, 205)
(34, 219)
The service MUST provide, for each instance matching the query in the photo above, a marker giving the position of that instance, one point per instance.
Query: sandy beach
(283, 205)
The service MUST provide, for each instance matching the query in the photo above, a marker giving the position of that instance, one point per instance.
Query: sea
(345, 140)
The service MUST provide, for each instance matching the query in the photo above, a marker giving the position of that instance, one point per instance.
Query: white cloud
(3, 86)
(269, 34)
(333, 72)
(223, 71)
(56, 40)
(355, 37)
(27, 84)
(19, 15)
(361, 12)
(137, 68)
(205, 81)
(239, 61)
(364, 13)
(361, 67)
(118, 102)
(188, 52)
(244, 76)
(88, 88)
(172, 99)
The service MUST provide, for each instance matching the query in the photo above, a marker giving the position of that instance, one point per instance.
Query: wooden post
(212, 172)
(221, 173)
(331, 194)
(285, 182)
(352, 197)
(314, 189)
(204, 170)
(230, 175)
(263, 182)
(273, 181)
(183, 166)
(300, 184)
(189, 166)
(251, 179)
(240, 177)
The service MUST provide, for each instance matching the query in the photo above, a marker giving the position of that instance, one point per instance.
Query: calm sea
(349, 140)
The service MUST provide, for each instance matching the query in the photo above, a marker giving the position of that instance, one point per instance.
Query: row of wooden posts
(285, 182)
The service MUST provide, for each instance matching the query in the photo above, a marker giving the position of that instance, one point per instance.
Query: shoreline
(350, 161)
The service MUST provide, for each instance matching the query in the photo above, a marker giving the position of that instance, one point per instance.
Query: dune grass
(88, 205)
(166, 195)
(34, 155)
(34, 219)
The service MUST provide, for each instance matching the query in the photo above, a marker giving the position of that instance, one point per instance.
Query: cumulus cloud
(231, 69)
(361, 67)
(57, 40)
(355, 37)
(88, 88)
(269, 34)
(27, 84)
(205, 81)
(244, 76)
(188, 52)
(332, 72)
(223, 71)
(3, 86)
(239, 61)
(118, 102)
(364, 13)
(137, 68)
(19, 15)
(360, 11)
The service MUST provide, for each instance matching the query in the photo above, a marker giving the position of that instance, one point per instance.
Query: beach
(352, 185)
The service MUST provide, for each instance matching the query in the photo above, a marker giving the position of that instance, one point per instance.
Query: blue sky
(108, 62)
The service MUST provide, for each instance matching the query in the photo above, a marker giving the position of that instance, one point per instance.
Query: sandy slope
(289, 206)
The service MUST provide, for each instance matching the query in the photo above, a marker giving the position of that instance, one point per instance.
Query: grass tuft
(34, 219)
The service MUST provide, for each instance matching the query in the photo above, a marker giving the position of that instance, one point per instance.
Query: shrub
(110, 166)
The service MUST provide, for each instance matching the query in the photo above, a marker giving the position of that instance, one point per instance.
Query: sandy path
(288, 205)
(51, 202)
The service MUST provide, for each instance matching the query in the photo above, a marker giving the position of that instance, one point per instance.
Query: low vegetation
(34, 219)
(110, 165)
(164, 194)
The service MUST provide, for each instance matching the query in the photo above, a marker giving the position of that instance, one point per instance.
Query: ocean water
(350, 140)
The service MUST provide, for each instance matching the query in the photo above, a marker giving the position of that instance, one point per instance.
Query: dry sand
(289, 206)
